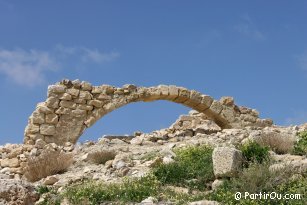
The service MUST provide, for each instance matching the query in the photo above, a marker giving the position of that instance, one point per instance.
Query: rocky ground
(134, 156)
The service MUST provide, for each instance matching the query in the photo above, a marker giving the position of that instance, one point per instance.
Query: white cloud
(88, 55)
(302, 61)
(248, 28)
(29, 67)
(26, 67)
(299, 117)
(98, 57)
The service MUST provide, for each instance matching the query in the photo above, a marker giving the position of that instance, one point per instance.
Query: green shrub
(130, 190)
(258, 178)
(42, 189)
(253, 152)
(192, 168)
(300, 147)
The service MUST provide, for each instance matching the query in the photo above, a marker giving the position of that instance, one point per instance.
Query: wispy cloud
(87, 55)
(302, 61)
(26, 68)
(248, 28)
(29, 67)
(299, 117)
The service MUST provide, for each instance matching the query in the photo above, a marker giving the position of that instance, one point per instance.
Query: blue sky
(255, 51)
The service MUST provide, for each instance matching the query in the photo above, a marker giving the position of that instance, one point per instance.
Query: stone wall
(73, 106)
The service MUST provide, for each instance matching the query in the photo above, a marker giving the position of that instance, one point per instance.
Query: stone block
(86, 86)
(32, 129)
(227, 161)
(52, 102)
(68, 104)
(37, 117)
(52, 118)
(85, 107)
(14, 162)
(65, 96)
(47, 129)
(63, 111)
(73, 92)
(56, 89)
(85, 95)
(96, 103)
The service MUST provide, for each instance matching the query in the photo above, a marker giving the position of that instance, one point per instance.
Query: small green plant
(192, 168)
(130, 190)
(253, 152)
(42, 189)
(300, 147)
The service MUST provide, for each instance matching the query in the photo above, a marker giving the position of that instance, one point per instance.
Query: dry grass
(278, 142)
(101, 156)
(49, 162)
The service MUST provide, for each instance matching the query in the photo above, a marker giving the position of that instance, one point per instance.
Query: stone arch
(73, 106)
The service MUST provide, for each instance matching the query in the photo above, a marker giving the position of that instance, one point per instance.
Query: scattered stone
(227, 161)
(50, 180)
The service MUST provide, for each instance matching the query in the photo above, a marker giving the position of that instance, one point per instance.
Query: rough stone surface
(226, 161)
(17, 192)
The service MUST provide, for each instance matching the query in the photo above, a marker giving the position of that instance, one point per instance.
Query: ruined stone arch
(73, 106)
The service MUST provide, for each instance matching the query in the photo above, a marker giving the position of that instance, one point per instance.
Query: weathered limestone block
(47, 129)
(86, 86)
(36, 136)
(73, 92)
(37, 117)
(183, 96)
(216, 107)
(90, 121)
(42, 108)
(163, 90)
(85, 95)
(226, 100)
(14, 162)
(79, 101)
(130, 87)
(76, 83)
(68, 104)
(103, 96)
(207, 127)
(228, 113)
(63, 111)
(79, 113)
(227, 161)
(69, 128)
(52, 102)
(85, 107)
(65, 96)
(32, 128)
(109, 90)
(52, 118)
(56, 89)
(96, 103)
(194, 100)
(97, 89)
(173, 92)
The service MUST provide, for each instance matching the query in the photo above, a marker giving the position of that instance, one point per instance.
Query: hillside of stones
(134, 156)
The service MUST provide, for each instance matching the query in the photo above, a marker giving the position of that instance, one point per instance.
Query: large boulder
(227, 161)
(17, 192)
